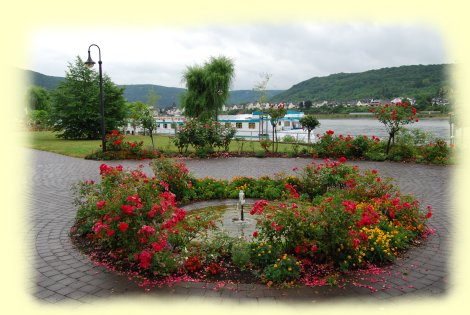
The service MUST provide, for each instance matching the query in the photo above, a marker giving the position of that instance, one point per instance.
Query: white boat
(249, 126)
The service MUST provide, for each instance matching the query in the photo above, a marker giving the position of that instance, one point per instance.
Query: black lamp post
(90, 63)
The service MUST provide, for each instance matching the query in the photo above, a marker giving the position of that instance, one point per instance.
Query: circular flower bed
(329, 219)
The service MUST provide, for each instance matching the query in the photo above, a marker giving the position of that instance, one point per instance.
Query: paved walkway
(64, 274)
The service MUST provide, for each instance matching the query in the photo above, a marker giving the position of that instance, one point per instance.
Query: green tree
(38, 98)
(76, 106)
(275, 114)
(38, 119)
(309, 122)
(136, 112)
(394, 117)
(149, 123)
(38, 108)
(207, 87)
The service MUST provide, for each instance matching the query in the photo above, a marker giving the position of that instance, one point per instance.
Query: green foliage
(204, 136)
(377, 84)
(394, 117)
(38, 98)
(175, 175)
(317, 179)
(275, 113)
(309, 122)
(436, 152)
(263, 254)
(38, 119)
(117, 148)
(357, 219)
(285, 269)
(207, 87)
(76, 104)
(240, 254)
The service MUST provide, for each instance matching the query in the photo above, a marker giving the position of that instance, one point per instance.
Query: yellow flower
(290, 269)
(275, 265)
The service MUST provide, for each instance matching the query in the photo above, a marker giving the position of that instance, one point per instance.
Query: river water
(371, 127)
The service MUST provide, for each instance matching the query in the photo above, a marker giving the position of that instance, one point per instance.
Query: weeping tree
(207, 87)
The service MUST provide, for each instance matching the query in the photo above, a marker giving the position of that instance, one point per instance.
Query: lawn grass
(47, 141)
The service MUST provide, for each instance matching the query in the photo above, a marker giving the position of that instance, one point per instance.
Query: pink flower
(110, 233)
(145, 259)
(100, 204)
(147, 229)
(356, 243)
(314, 248)
(123, 226)
(127, 209)
(292, 190)
(255, 234)
(342, 160)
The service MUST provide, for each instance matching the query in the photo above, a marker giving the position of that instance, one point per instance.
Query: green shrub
(263, 254)
(289, 139)
(401, 152)
(175, 177)
(260, 154)
(436, 153)
(285, 269)
(240, 254)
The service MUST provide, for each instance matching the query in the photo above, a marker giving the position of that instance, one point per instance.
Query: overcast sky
(291, 53)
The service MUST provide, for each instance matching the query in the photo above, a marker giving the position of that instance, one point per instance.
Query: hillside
(46, 81)
(386, 83)
(139, 92)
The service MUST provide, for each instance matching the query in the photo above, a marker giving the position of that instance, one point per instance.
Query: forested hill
(386, 83)
(169, 96)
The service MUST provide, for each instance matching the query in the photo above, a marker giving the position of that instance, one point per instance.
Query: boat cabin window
(251, 125)
(239, 125)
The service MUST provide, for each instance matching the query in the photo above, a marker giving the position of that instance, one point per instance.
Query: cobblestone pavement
(62, 273)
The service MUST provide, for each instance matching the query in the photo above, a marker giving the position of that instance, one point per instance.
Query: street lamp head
(89, 63)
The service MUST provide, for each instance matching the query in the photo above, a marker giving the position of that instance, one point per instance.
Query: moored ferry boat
(254, 125)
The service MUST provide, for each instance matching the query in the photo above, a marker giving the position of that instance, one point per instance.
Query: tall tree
(207, 87)
(76, 106)
(38, 98)
(219, 76)
(275, 114)
(261, 86)
(149, 123)
(38, 108)
(136, 111)
(309, 122)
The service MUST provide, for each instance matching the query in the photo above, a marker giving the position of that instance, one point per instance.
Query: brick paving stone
(54, 298)
(53, 255)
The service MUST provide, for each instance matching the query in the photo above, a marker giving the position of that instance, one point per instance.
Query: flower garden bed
(328, 220)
